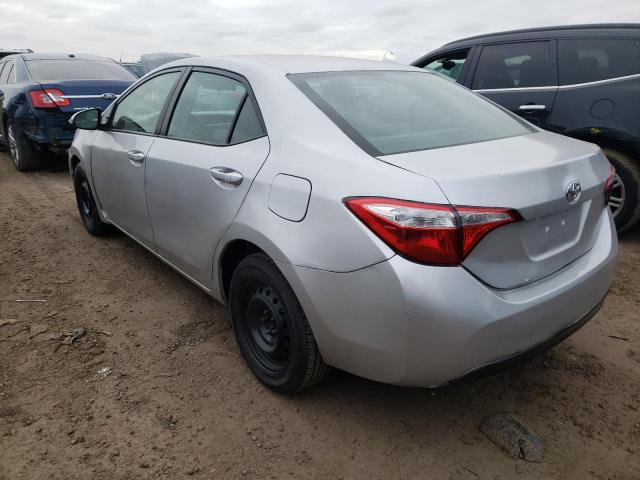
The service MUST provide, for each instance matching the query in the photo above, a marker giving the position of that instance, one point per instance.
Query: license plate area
(554, 233)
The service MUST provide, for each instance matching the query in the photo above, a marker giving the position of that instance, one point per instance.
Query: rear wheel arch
(73, 163)
(234, 252)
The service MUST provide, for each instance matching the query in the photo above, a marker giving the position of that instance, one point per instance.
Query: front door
(521, 76)
(200, 170)
(118, 156)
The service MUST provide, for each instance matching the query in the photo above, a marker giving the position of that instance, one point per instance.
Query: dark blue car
(40, 92)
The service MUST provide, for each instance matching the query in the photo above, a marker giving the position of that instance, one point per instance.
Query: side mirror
(86, 119)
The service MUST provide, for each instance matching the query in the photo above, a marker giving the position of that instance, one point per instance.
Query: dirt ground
(156, 387)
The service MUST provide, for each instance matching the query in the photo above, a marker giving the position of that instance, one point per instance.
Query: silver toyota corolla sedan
(368, 216)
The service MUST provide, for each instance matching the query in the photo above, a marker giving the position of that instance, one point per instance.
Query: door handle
(136, 156)
(226, 175)
(532, 107)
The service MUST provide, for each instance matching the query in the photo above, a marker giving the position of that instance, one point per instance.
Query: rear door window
(248, 125)
(591, 59)
(76, 69)
(449, 65)
(515, 65)
(140, 110)
(208, 109)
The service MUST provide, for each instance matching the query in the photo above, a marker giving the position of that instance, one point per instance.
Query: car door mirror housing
(87, 119)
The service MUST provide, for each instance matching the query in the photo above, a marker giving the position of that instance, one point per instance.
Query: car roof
(565, 31)
(546, 32)
(287, 63)
(62, 56)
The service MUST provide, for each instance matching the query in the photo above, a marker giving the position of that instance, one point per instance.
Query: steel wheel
(618, 196)
(87, 206)
(85, 202)
(266, 328)
(271, 328)
(13, 146)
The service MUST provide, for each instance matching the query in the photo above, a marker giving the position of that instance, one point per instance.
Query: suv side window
(591, 59)
(450, 64)
(207, 111)
(515, 65)
(139, 110)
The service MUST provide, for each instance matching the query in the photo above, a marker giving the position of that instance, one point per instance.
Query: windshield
(388, 112)
(77, 70)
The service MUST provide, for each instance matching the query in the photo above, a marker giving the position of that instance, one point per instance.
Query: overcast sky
(213, 27)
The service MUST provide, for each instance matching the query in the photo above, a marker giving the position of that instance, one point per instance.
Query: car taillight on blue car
(48, 98)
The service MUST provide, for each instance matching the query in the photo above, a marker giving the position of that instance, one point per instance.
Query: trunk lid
(530, 174)
(84, 94)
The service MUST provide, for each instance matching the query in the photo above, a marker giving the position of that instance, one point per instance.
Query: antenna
(121, 54)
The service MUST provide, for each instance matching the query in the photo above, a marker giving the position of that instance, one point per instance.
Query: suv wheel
(23, 154)
(272, 329)
(625, 195)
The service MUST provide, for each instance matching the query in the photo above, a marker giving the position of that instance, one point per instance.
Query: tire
(23, 154)
(625, 204)
(271, 328)
(87, 206)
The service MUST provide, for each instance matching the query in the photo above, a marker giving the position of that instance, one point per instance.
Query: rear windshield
(388, 112)
(77, 70)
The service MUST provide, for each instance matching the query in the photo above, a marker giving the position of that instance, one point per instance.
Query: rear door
(118, 155)
(520, 76)
(200, 170)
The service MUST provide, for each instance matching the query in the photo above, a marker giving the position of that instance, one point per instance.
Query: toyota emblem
(573, 192)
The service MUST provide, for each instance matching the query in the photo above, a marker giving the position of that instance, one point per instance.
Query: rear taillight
(432, 234)
(608, 184)
(48, 98)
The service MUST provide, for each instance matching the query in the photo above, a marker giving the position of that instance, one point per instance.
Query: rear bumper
(511, 360)
(408, 324)
(49, 128)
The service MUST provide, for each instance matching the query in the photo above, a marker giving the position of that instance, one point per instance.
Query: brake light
(48, 98)
(432, 234)
(608, 184)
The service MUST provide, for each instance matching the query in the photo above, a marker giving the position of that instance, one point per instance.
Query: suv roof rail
(587, 26)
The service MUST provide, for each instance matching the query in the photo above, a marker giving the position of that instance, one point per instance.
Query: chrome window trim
(560, 87)
(518, 89)
(600, 82)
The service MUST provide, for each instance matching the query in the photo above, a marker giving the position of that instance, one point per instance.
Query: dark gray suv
(582, 81)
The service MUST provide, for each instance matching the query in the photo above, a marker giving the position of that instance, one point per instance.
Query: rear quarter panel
(597, 111)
